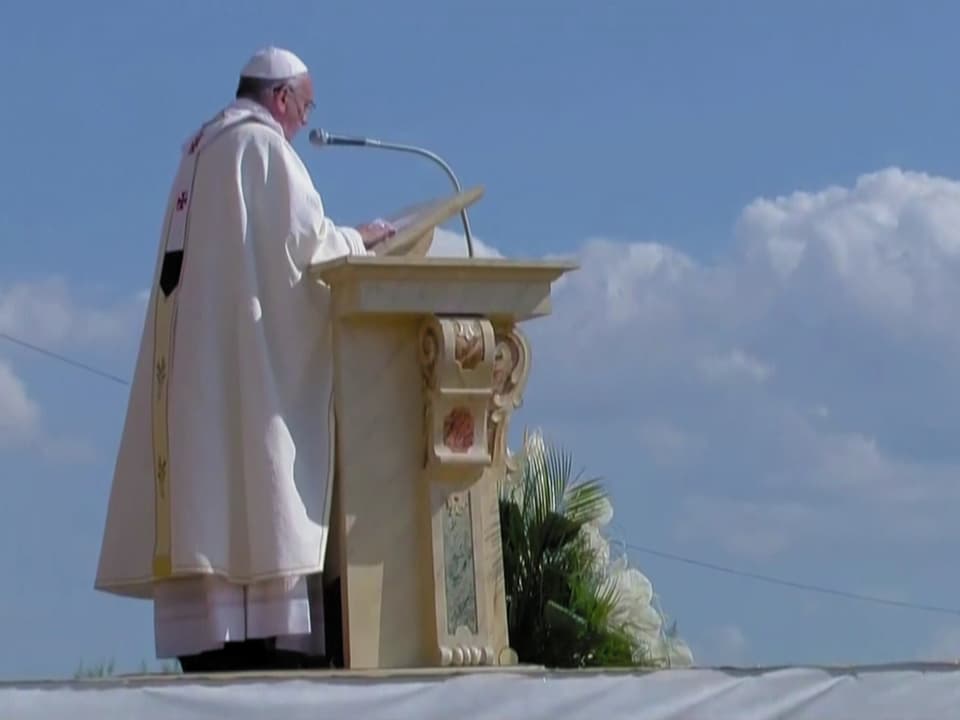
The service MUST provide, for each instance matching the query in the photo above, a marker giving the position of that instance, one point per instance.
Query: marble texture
(459, 575)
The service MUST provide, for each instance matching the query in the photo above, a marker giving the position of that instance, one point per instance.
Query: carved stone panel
(456, 358)
(473, 377)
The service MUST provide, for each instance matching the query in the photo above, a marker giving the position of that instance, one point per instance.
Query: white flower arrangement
(637, 610)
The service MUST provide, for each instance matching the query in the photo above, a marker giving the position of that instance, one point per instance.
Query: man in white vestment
(220, 505)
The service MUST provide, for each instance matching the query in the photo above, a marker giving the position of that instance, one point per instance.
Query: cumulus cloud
(447, 243)
(22, 428)
(802, 380)
(48, 312)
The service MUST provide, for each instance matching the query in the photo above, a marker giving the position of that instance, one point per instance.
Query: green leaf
(559, 603)
(557, 531)
(560, 617)
(585, 501)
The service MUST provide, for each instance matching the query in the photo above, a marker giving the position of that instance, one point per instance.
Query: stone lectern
(429, 364)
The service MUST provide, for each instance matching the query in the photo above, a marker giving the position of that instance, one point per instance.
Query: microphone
(319, 136)
(322, 138)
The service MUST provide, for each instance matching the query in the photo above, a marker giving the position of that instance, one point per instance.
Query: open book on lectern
(415, 224)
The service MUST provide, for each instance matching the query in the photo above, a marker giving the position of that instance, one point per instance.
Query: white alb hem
(193, 615)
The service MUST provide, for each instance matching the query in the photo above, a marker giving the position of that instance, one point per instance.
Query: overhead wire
(647, 550)
(63, 358)
(792, 584)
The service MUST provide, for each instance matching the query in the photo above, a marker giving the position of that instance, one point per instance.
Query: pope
(220, 504)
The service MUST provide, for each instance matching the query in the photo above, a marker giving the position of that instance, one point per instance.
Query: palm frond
(548, 487)
(585, 501)
(559, 602)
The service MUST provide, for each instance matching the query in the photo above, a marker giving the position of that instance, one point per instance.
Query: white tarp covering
(908, 692)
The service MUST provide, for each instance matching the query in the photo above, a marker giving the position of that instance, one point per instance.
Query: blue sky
(758, 353)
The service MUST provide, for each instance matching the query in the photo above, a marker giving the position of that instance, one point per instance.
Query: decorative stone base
(473, 377)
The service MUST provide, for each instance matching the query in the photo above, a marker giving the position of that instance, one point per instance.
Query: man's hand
(376, 232)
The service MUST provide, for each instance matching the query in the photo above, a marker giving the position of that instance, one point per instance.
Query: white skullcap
(273, 64)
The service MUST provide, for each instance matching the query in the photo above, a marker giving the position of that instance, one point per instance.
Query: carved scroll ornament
(474, 377)
(456, 359)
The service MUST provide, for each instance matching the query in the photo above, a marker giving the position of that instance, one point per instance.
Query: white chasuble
(224, 473)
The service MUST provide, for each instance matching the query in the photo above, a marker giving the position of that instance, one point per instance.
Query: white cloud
(798, 390)
(22, 428)
(756, 529)
(734, 365)
(48, 313)
(886, 249)
(447, 243)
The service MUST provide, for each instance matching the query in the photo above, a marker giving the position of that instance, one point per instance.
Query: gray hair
(251, 88)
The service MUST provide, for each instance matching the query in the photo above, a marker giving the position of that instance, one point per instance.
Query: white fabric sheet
(906, 693)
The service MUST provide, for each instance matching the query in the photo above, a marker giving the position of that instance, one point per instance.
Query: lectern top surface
(400, 266)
